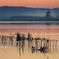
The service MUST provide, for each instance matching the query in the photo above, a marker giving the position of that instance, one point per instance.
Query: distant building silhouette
(48, 14)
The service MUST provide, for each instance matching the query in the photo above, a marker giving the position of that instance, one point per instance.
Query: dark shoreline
(29, 23)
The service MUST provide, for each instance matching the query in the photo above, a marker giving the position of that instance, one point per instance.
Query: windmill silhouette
(48, 13)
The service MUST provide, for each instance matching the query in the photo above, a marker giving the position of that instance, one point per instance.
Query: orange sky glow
(31, 3)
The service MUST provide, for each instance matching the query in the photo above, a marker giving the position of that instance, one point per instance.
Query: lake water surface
(50, 32)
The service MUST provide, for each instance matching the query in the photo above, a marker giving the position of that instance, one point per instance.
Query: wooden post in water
(56, 44)
(50, 46)
(5, 40)
(53, 45)
(2, 39)
(11, 39)
(41, 42)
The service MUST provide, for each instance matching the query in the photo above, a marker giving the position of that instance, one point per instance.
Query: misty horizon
(10, 11)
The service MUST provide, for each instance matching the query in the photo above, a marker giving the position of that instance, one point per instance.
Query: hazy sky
(31, 3)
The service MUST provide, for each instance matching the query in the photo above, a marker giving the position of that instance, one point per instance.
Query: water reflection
(34, 45)
(29, 43)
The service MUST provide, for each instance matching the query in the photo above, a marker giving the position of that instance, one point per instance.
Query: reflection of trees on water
(23, 42)
(41, 45)
(3, 40)
(29, 39)
(11, 40)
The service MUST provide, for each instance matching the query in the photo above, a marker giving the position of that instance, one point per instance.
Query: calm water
(50, 32)
(46, 31)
